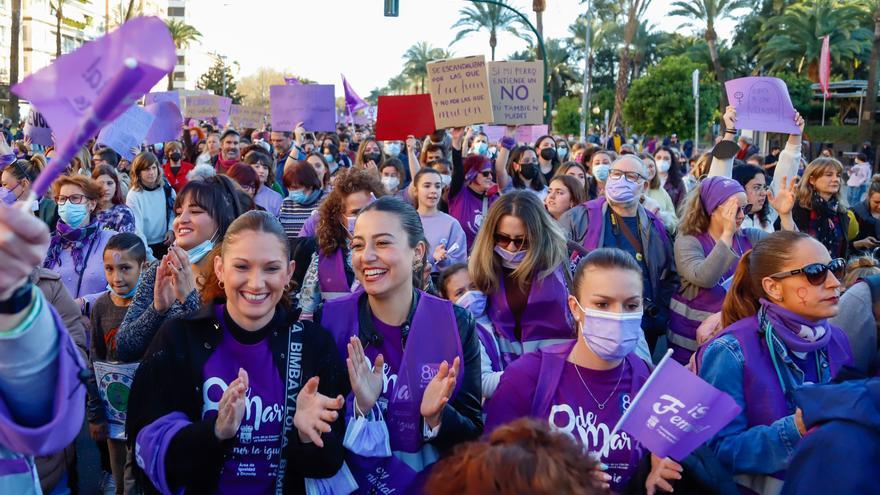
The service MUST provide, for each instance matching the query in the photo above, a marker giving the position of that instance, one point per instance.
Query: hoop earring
(220, 283)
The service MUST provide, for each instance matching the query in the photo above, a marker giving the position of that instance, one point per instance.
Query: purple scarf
(798, 333)
(77, 241)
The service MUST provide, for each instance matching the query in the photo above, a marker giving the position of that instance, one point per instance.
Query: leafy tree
(254, 89)
(633, 11)
(568, 120)
(562, 74)
(866, 120)
(182, 34)
(416, 61)
(219, 79)
(661, 101)
(493, 18)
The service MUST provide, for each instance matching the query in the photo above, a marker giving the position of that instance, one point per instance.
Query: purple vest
(544, 318)
(684, 318)
(468, 210)
(595, 217)
(331, 274)
(487, 338)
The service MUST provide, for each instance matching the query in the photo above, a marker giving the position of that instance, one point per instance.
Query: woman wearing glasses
(776, 338)
(709, 244)
(78, 241)
(518, 261)
(473, 188)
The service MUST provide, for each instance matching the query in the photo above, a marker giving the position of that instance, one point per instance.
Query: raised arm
(724, 168)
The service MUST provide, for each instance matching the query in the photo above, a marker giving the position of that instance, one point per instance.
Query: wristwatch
(19, 300)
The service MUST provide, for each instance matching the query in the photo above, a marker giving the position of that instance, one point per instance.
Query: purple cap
(716, 190)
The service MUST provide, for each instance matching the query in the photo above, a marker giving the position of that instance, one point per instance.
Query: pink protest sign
(525, 134)
(127, 131)
(166, 126)
(312, 104)
(762, 104)
(93, 85)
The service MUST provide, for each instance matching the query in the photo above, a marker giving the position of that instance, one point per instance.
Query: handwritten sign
(37, 128)
(517, 92)
(114, 386)
(525, 134)
(762, 104)
(312, 104)
(206, 107)
(172, 96)
(242, 117)
(460, 91)
(127, 131)
(400, 116)
(166, 122)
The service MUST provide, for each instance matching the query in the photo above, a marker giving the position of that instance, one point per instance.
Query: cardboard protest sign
(312, 104)
(524, 133)
(762, 104)
(127, 131)
(460, 91)
(208, 107)
(401, 116)
(242, 117)
(676, 411)
(172, 96)
(517, 92)
(37, 128)
(114, 387)
(166, 123)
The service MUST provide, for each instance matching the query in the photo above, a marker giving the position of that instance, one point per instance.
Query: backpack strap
(873, 282)
(552, 364)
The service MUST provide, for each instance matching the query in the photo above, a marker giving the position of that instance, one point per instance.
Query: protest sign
(37, 128)
(312, 104)
(242, 117)
(762, 104)
(517, 92)
(166, 123)
(524, 133)
(676, 411)
(94, 84)
(460, 91)
(114, 387)
(127, 131)
(207, 107)
(401, 116)
(172, 96)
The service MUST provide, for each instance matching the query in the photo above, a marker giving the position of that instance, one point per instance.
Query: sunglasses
(487, 174)
(817, 273)
(505, 241)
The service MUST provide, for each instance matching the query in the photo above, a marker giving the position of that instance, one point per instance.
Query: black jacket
(170, 379)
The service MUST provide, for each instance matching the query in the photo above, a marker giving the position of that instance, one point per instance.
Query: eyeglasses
(504, 240)
(487, 174)
(817, 273)
(629, 176)
(76, 199)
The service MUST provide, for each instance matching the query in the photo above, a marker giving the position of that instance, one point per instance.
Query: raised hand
(795, 139)
(163, 291)
(729, 118)
(457, 134)
(230, 411)
(315, 412)
(438, 392)
(729, 210)
(783, 202)
(182, 278)
(440, 253)
(366, 383)
(24, 241)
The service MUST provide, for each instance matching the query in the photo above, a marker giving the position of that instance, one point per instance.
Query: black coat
(170, 379)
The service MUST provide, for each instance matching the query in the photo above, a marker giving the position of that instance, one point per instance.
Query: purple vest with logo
(435, 338)
(544, 318)
(331, 274)
(683, 318)
(467, 208)
(596, 223)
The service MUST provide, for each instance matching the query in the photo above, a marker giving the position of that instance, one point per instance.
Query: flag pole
(824, 99)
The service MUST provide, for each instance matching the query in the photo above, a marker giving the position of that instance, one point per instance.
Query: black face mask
(528, 170)
(548, 153)
(374, 157)
(175, 156)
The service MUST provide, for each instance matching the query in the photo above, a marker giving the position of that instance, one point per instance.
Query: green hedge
(838, 133)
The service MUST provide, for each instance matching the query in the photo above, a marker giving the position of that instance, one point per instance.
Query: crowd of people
(323, 312)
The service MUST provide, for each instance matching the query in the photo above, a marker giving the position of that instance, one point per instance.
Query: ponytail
(741, 301)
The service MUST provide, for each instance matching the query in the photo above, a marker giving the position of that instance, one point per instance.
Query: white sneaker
(108, 483)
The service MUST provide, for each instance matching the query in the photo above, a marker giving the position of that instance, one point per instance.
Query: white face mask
(663, 165)
(390, 183)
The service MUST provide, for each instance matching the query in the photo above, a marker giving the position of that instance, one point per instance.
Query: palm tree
(416, 61)
(634, 10)
(538, 7)
(398, 84)
(866, 120)
(644, 48)
(707, 13)
(183, 34)
(492, 18)
(796, 36)
(13, 60)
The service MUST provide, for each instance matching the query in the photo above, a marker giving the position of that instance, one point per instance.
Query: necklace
(601, 405)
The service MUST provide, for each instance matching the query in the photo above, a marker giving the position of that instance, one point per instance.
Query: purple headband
(716, 190)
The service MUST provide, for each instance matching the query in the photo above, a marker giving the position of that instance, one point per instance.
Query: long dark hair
(515, 156)
(743, 174)
(675, 174)
(411, 224)
(222, 200)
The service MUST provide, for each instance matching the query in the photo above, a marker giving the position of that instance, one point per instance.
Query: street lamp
(540, 39)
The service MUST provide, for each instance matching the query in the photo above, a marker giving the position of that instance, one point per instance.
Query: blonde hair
(694, 219)
(546, 252)
(860, 267)
(815, 169)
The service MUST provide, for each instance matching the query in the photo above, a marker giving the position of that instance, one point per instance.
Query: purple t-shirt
(392, 350)
(573, 411)
(251, 467)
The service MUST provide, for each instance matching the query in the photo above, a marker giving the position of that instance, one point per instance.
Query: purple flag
(312, 104)
(166, 126)
(127, 131)
(292, 81)
(86, 88)
(762, 104)
(352, 101)
(676, 411)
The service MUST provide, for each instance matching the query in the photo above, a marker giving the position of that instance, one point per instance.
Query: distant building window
(179, 76)
(181, 60)
(174, 11)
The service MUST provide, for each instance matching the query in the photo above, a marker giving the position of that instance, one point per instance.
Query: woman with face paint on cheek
(595, 376)
(330, 274)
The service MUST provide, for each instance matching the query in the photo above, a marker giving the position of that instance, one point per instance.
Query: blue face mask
(197, 253)
(329, 158)
(73, 215)
(601, 172)
(392, 150)
(562, 153)
(127, 295)
(298, 197)
(481, 148)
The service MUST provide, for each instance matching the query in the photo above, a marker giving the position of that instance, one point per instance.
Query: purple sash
(487, 338)
(467, 208)
(331, 273)
(435, 338)
(685, 317)
(544, 318)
